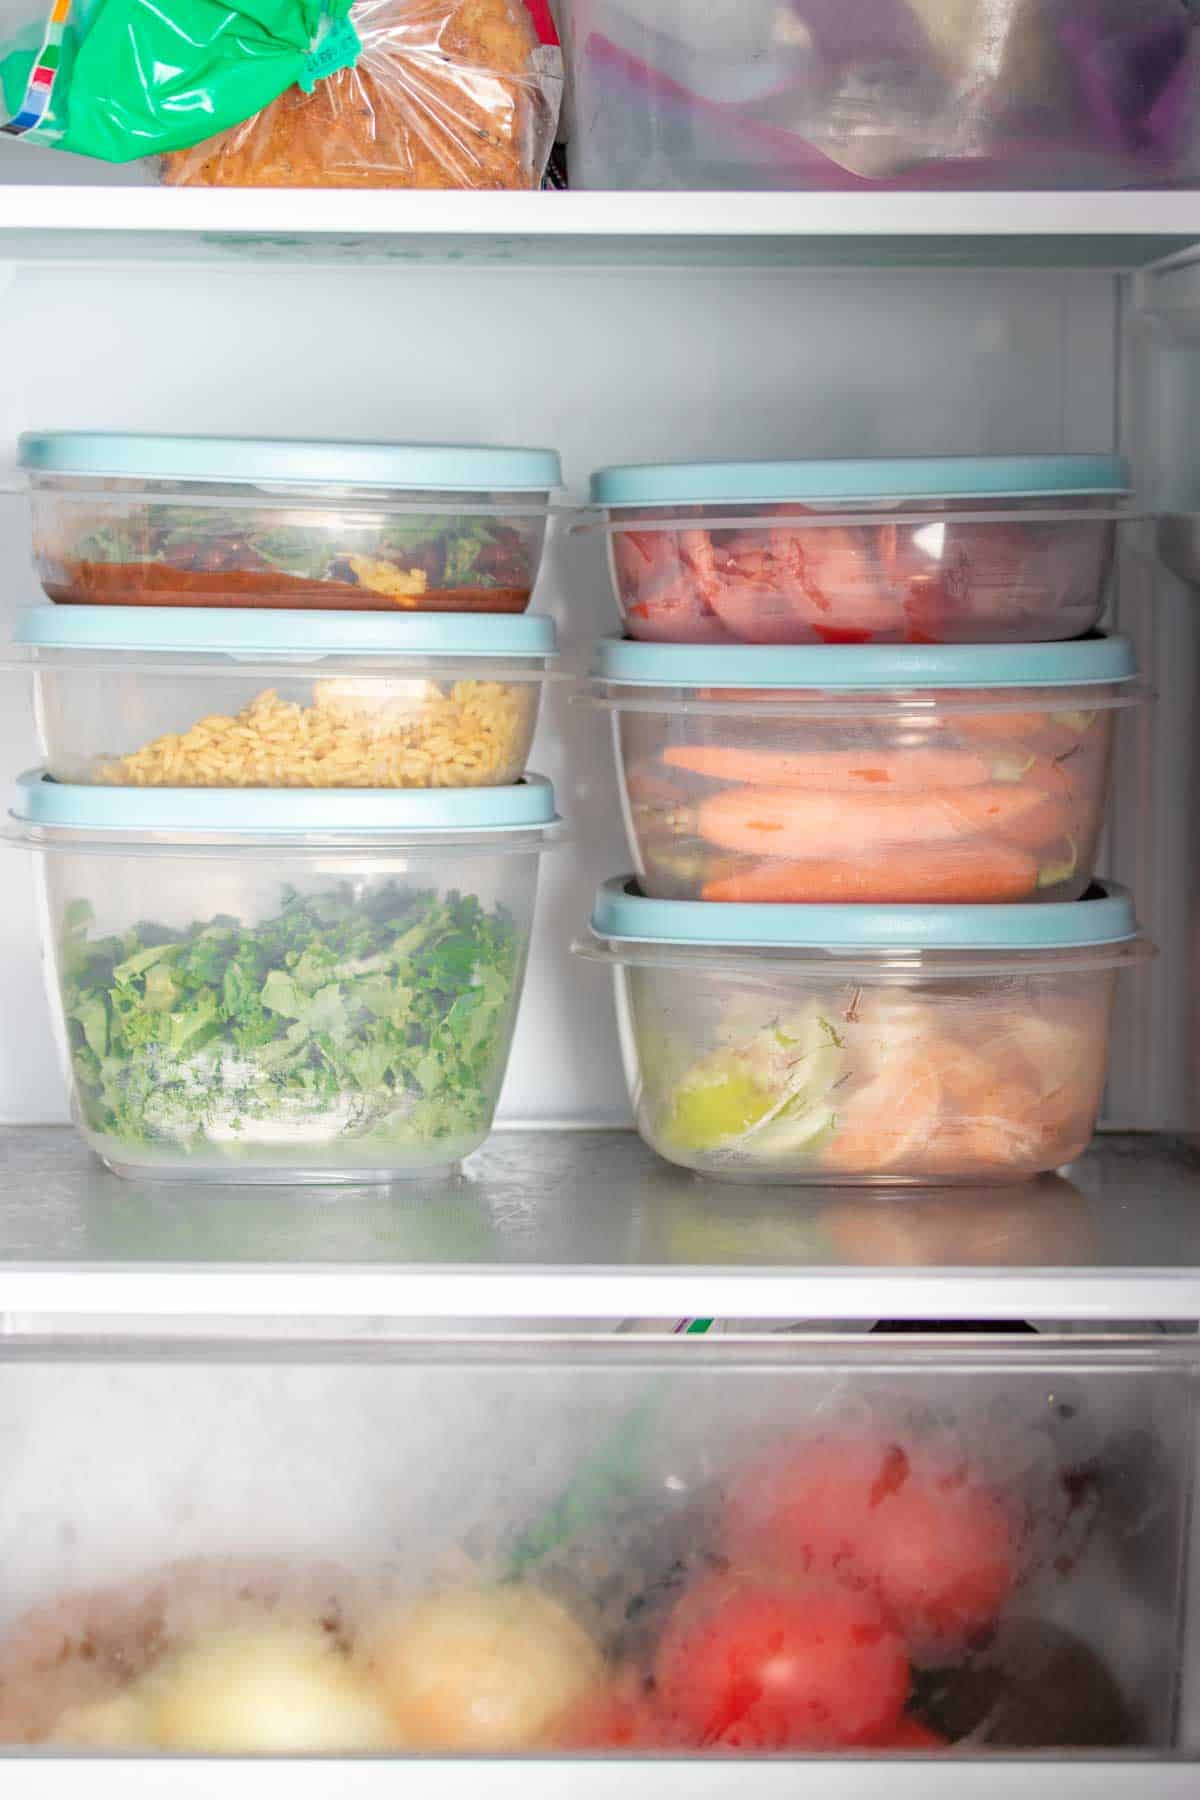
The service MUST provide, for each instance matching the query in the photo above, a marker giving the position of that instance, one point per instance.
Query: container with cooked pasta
(285, 986)
(142, 519)
(865, 774)
(865, 1044)
(153, 697)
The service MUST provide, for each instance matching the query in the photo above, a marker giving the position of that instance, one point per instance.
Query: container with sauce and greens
(140, 519)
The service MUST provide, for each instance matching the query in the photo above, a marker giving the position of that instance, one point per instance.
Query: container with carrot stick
(958, 775)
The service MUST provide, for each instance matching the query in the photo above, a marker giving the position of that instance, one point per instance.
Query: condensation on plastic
(605, 1476)
(904, 94)
(822, 1074)
(444, 94)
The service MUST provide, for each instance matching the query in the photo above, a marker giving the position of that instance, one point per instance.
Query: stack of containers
(864, 728)
(285, 695)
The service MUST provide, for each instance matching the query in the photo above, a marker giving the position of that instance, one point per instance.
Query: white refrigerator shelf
(87, 221)
(991, 1777)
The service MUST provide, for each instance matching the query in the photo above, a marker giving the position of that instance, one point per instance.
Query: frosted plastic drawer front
(792, 1545)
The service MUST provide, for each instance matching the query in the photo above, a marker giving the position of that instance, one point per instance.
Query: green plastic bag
(119, 79)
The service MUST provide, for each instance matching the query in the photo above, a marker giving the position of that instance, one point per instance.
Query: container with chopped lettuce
(128, 520)
(286, 986)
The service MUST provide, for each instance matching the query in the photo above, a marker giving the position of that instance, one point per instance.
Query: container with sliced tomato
(937, 550)
(865, 775)
(885, 1044)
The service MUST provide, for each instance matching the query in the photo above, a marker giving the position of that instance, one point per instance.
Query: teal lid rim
(840, 479)
(862, 667)
(285, 812)
(624, 915)
(240, 631)
(153, 456)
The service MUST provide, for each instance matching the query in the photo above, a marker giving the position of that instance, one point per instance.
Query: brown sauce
(158, 584)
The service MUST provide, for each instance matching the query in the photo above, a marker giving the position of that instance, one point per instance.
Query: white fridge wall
(607, 364)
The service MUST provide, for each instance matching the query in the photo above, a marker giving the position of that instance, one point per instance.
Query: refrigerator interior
(617, 362)
(154, 1451)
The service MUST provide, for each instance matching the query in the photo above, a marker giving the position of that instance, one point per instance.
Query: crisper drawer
(646, 1548)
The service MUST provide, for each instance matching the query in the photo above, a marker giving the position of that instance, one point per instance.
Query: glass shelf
(545, 1226)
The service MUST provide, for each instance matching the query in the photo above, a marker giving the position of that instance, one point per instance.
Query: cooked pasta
(380, 734)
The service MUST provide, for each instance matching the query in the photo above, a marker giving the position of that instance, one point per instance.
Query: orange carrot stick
(795, 822)
(966, 874)
(842, 770)
(1039, 820)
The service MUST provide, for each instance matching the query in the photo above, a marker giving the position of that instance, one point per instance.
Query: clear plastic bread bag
(439, 94)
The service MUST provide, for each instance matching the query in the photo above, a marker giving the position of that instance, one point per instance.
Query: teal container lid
(399, 813)
(246, 631)
(623, 914)
(866, 667)
(895, 478)
(155, 456)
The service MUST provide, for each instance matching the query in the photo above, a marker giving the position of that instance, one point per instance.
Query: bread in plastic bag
(444, 94)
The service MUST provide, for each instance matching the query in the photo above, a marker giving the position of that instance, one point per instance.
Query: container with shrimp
(944, 550)
(869, 1045)
(886, 776)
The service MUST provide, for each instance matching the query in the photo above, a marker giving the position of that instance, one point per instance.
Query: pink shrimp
(665, 580)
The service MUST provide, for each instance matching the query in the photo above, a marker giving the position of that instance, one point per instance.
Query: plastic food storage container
(154, 697)
(883, 94)
(145, 520)
(864, 774)
(950, 550)
(873, 1044)
(514, 1549)
(285, 986)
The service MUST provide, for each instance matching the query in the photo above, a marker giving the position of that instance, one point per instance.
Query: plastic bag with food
(444, 94)
(291, 93)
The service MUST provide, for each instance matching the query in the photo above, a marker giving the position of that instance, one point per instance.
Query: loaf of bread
(444, 94)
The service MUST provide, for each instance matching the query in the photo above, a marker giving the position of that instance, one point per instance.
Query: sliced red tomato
(752, 1665)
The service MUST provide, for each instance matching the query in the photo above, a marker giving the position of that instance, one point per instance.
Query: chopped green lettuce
(387, 1016)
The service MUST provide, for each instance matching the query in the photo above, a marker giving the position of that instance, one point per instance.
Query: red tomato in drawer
(931, 1542)
(750, 1664)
